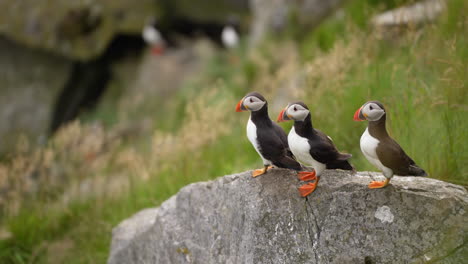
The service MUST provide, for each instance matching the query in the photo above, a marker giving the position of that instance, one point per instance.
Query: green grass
(421, 79)
(89, 224)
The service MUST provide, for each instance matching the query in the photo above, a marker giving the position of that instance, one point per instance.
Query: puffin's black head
(233, 21)
(370, 111)
(297, 111)
(230, 33)
(252, 101)
(151, 21)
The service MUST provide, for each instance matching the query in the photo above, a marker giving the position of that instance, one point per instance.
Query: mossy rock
(211, 11)
(75, 29)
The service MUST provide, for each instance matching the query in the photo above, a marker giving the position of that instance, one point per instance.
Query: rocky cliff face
(75, 29)
(30, 82)
(82, 30)
(239, 219)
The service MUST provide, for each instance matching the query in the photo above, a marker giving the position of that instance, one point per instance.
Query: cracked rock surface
(240, 219)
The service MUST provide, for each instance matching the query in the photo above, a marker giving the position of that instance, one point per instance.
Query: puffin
(153, 37)
(311, 147)
(267, 137)
(380, 149)
(230, 34)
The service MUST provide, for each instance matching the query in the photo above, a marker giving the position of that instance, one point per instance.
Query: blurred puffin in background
(267, 137)
(230, 33)
(380, 149)
(153, 37)
(311, 146)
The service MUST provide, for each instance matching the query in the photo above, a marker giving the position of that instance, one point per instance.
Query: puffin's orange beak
(357, 114)
(240, 106)
(282, 117)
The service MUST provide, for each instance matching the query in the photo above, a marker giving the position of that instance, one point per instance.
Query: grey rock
(75, 29)
(415, 14)
(393, 23)
(132, 227)
(240, 219)
(30, 82)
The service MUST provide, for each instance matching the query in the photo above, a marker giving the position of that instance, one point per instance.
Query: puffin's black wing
(284, 138)
(281, 134)
(324, 151)
(275, 149)
(394, 157)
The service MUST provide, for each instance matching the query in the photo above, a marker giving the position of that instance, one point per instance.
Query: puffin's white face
(297, 112)
(253, 103)
(372, 111)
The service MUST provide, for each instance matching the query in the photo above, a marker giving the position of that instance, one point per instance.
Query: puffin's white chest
(151, 35)
(229, 37)
(369, 149)
(252, 136)
(300, 148)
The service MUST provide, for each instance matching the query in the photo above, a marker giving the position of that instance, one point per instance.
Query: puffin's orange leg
(307, 175)
(259, 172)
(378, 184)
(308, 188)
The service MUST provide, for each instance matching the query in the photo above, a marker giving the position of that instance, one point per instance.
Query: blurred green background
(164, 122)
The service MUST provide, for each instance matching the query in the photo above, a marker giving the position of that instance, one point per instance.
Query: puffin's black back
(322, 148)
(389, 152)
(394, 157)
(272, 139)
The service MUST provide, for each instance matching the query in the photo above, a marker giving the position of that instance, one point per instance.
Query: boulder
(30, 82)
(212, 11)
(240, 219)
(414, 14)
(79, 30)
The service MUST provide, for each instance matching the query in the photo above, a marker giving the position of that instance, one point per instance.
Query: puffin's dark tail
(340, 164)
(288, 163)
(414, 170)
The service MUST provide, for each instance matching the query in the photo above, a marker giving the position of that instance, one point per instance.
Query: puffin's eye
(251, 100)
(295, 109)
(370, 107)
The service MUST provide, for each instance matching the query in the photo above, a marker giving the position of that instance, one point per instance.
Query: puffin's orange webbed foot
(307, 175)
(308, 188)
(259, 172)
(378, 184)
